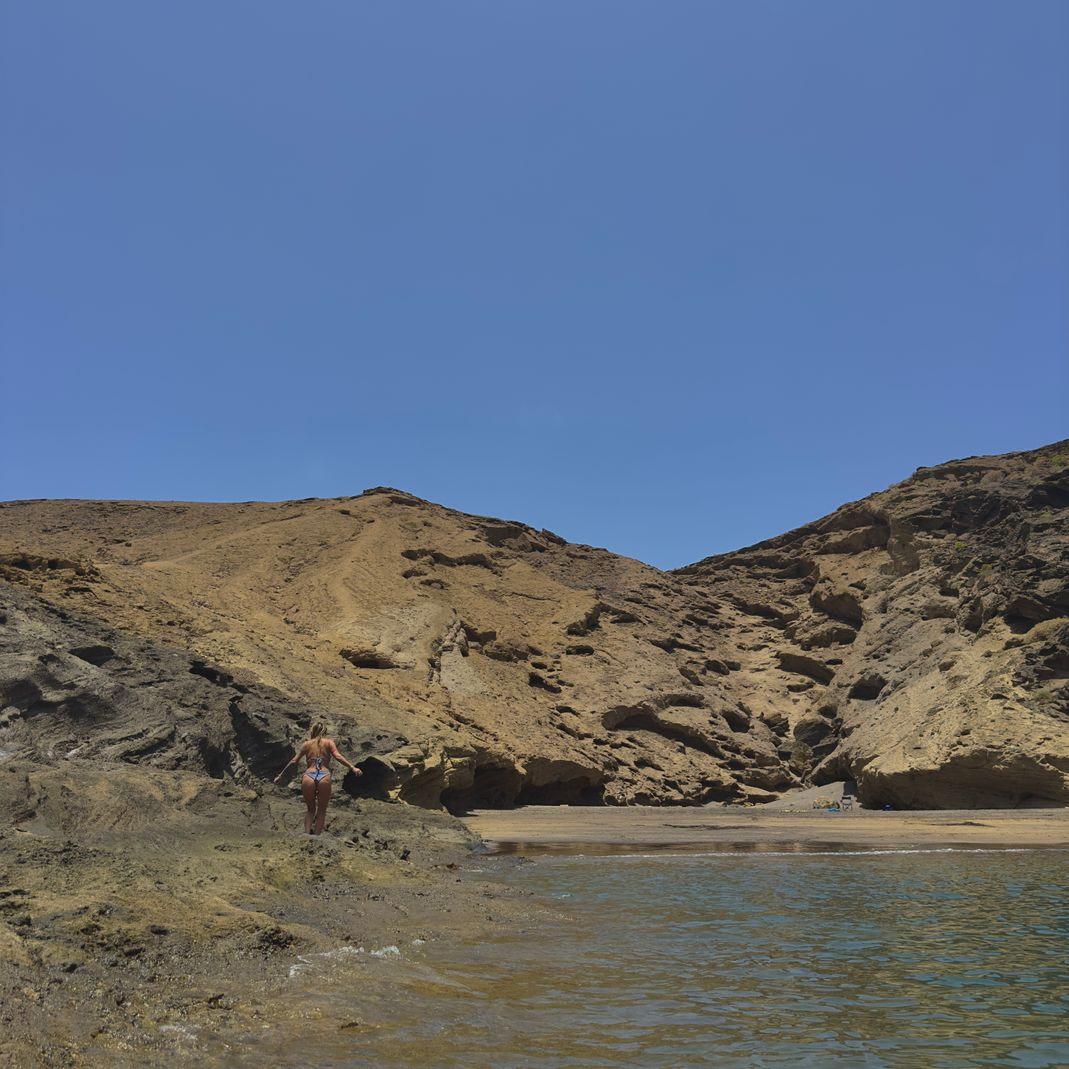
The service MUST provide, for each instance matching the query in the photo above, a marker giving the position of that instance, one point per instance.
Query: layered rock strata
(916, 641)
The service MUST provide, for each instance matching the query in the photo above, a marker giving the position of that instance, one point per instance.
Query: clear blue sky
(669, 277)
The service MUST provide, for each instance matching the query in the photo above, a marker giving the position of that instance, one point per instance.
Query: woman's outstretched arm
(335, 752)
(292, 761)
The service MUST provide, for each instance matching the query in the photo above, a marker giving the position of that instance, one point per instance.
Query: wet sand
(565, 829)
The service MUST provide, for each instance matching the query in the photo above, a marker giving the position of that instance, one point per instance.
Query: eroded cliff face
(917, 641)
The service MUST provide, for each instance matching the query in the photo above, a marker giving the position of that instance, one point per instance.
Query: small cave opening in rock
(684, 701)
(1023, 613)
(739, 721)
(367, 659)
(374, 781)
(1049, 495)
(876, 798)
(810, 667)
(95, 655)
(539, 682)
(834, 771)
(477, 637)
(868, 687)
(492, 787)
(578, 791)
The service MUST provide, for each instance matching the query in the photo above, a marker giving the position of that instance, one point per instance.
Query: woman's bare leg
(308, 789)
(322, 801)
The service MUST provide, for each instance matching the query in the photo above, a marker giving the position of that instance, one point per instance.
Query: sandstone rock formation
(916, 641)
(921, 636)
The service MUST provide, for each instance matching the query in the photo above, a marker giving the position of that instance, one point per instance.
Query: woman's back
(319, 749)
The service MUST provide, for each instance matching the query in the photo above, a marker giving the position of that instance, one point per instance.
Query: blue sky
(669, 277)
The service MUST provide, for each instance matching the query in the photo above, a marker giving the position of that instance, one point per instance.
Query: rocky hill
(916, 641)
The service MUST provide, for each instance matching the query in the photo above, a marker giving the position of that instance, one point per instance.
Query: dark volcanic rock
(73, 687)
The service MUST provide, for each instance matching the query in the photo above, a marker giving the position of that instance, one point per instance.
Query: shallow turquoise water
(837, 960)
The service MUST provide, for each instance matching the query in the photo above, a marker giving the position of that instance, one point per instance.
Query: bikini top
(322, 759)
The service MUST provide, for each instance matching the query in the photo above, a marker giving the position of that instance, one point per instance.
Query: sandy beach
(634, 829)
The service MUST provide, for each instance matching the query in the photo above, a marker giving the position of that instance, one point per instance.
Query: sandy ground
(564, 829)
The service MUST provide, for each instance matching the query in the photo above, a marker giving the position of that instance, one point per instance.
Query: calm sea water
(931, 959)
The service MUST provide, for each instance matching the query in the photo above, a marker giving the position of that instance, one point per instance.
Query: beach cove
(748, 938)
(573, 829)
(731, 938)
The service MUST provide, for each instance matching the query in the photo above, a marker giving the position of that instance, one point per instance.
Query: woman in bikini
(317, 750)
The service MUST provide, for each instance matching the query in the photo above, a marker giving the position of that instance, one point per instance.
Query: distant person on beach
(317, 750)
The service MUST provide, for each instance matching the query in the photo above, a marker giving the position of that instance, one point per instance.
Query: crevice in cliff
(646, 719)
(868, 687)
(494, 785)
(810, 667)
(374, 782)
(367, 659)
(581, 790)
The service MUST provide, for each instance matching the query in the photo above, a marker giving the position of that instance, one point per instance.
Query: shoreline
(545, 830)
(180, 915)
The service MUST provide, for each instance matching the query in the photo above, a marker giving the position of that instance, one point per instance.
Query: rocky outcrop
(933, 627)
(72, 687)
(916, 641)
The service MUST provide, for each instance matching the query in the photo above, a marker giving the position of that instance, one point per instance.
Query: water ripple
(873, 960)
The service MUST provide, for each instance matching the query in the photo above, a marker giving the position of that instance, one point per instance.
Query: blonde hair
(318, 729)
